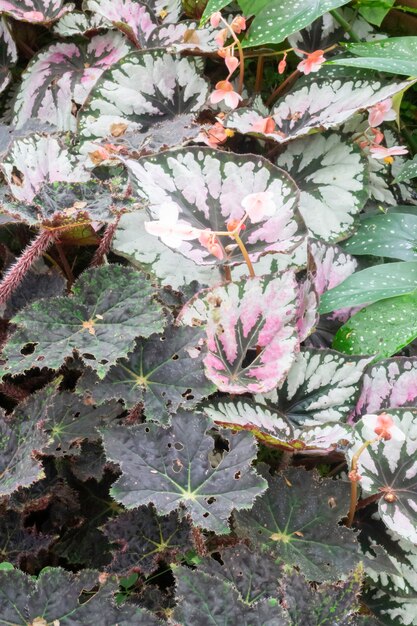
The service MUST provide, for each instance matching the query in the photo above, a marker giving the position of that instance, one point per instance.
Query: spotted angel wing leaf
(251, 333)
(206, 188)
(143, 88)
(37, 159)
(132, 17)
(325, 101)
(64, 74)
(332, 177)
(35, 11)
(388, 467)
(8, 54)
(391, 383)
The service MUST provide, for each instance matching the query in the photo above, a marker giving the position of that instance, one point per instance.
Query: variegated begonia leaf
(168, 11)
(59, 79)
(132, 17)
(185, 36)
(164, 372)
(110, 306)
(38, 159)
(251, 334)
(29, 601)
(326, 100)
(178, 467)
(389, 384)
(332, 177)
(142, 539)
(388, 467)
(205, 189)
(65, 204)
(322, 387)
(141, 89)
(331, 265)
(148, 253)
(273, 428)
(8, 54)
(78, 23)
(35, 11)
(298, 530)
(19, 441)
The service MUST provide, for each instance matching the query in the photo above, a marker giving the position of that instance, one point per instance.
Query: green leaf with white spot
(212, 7)
(372, 284)
(396, 55)
(179, 466)
(408, 171)
(382, 329)
(332, 176)
(109, 308)
(391, 235)
(374, 11)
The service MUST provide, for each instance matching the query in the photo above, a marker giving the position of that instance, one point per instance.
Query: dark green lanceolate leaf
(392, 235)
(8, 54)
(254, 319)
(142, 539)
(35, 11)
(132, 17)
(407, 171)
(381, 329)
(18, 443)
(206, 600)
(296, 522)
(372, 284)
(254, 575)
(177, 467)
(110, 307)
(390, 383)
(37, 159)
(212, 7)
(27, 602)
(374, 11)
(332, 177)
(325, 605)
(322, 102)
(388, 467)
(141, 89)
(204, 189)
(275, 21)
(163, 372)
(396, 55)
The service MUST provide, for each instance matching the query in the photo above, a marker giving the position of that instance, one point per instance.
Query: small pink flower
(33, 16)
(214, 136)
(381, 152)
(312, 63)
(169, 229)
(384, 424)
(215, 19)
(238, 24)
(259, 205)
(378, 135)
(381, 112)
(209, 240)
(231, 63)
(282, 64)
(264, 125)
(224, 91)
(221, 37)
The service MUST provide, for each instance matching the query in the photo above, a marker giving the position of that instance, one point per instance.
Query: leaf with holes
(396, 55)
(332, 177)
(37, 159)
(303, 531)
(62, 76)
(142, 539)
(24, 599)
(205, 599)
(251, 334)
(178, 466)
(18, 465)
(164, 372)
(390, 383)
(35, 11)
(392, 235)
(8, 54)
(378, 282)
(322, 102)
(205, 189)
(388, 467)
(132, 17)
(141, 89)
(110, 306)
(381, 329)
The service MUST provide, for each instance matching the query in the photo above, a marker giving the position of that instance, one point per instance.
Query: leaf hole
(29, 348)
(211, 500)
(175, 357)
(238, 475)
(178, 445)
(206, 514)
(88, 356)
(177, 466)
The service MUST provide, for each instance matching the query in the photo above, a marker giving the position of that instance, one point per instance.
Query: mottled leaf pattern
(130, 16)
(35, 11)
(389, 384)
(8, 54)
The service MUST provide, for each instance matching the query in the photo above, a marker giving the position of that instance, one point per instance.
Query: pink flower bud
(282, 64)
(215, 19)
(238, 24)
(231, 64)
